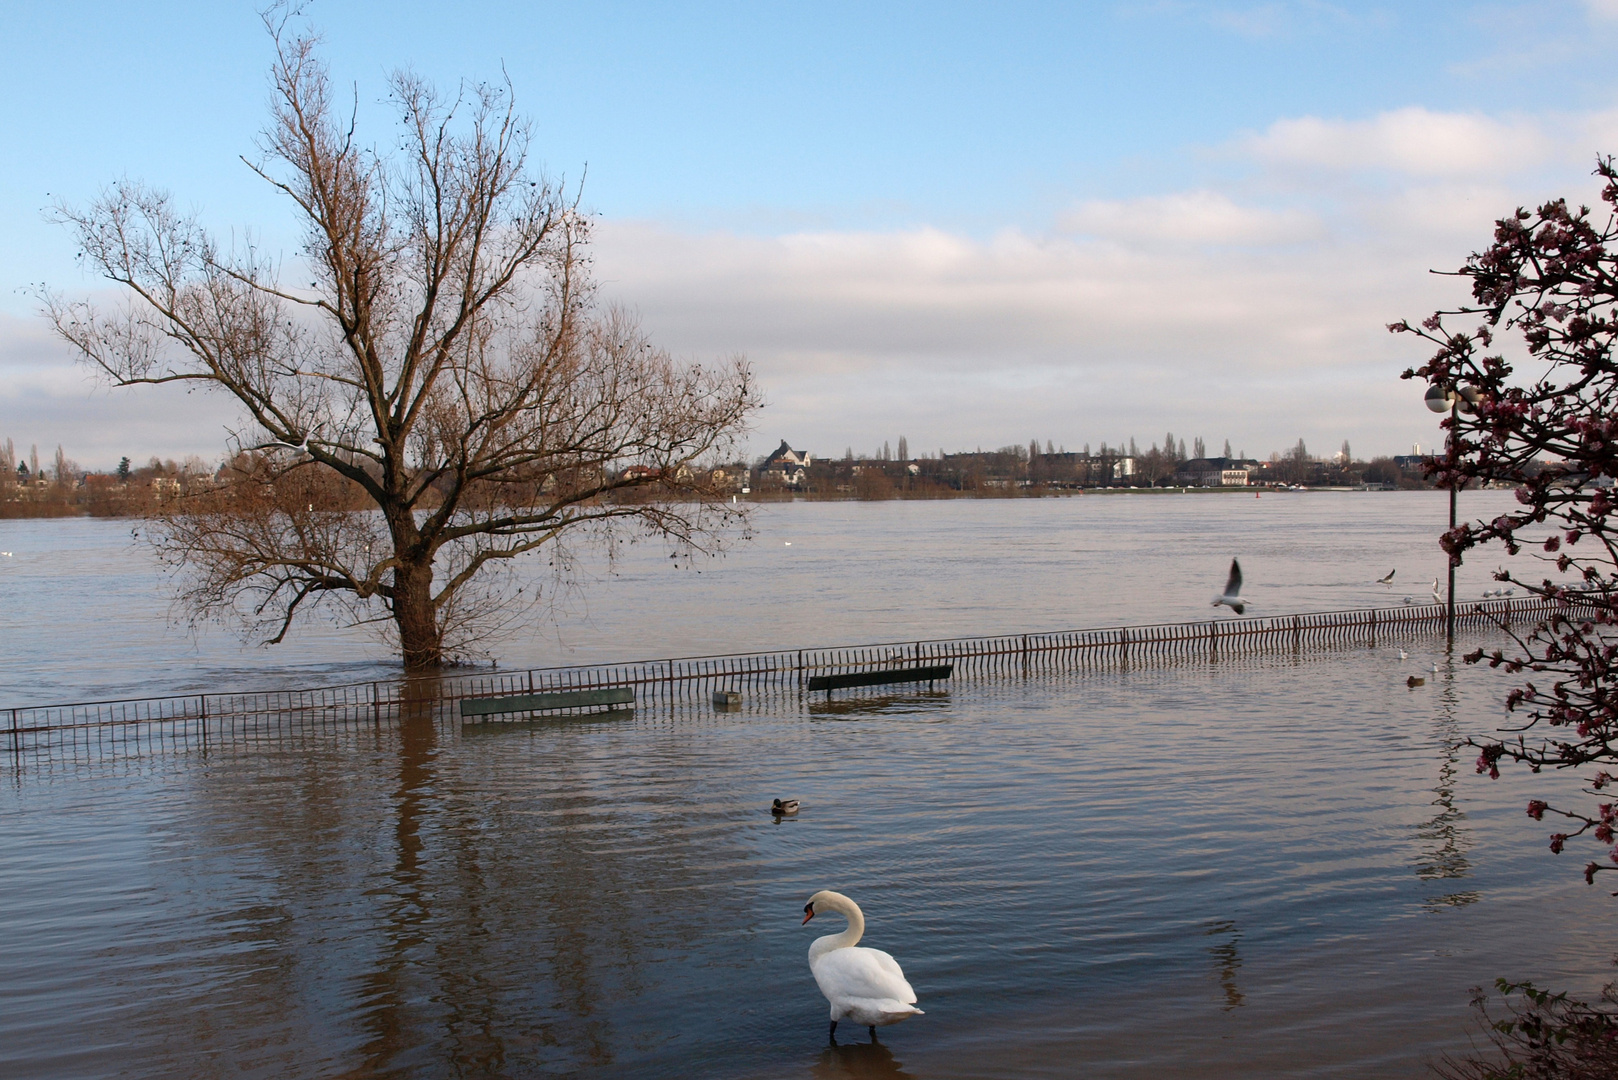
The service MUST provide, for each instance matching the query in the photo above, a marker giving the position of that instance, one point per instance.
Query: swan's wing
(1233, 585)
(844, 974)
(890, 966)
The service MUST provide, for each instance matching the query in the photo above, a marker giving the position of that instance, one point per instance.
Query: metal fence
(196, 720)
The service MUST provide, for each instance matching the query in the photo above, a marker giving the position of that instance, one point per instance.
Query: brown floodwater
(1274, 866)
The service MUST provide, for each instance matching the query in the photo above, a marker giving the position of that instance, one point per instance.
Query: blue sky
(969, 224)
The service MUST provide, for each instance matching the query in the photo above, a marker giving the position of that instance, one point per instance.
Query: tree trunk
(420, 639)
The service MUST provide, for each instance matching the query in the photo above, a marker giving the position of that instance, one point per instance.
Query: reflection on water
(857, 705)
(1448, 840)
(1057, 862)
(859, 1061)
(1227, 961)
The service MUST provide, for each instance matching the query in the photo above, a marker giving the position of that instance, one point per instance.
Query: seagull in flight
(1438, 597)
(282, 444)
(1389, 579)
(1231, 597)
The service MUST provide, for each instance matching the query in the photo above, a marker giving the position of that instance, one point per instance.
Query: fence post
(15, 738)
(1213, 640)
(800, 671)
(202, 707)
(376, 705)
(1025, 656)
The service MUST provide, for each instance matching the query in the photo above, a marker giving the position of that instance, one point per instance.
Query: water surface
(85, 611)
(1258, 867)
(1266, 866)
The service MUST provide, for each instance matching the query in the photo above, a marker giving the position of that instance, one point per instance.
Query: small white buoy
(789, 543)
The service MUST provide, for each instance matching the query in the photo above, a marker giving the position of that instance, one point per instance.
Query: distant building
(785, 465)
(1411, 463)
(1213, 472)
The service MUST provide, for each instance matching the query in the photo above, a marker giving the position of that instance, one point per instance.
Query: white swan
(863, 985)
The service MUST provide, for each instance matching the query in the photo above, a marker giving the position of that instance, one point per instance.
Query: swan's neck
(851, 936)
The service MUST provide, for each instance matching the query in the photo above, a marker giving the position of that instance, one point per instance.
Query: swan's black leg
(873, 1033)
(832, 1035)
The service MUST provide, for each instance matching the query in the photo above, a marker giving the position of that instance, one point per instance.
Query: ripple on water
(1249, 868)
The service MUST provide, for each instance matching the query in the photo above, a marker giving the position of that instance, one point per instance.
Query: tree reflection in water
(1447, 840)
(1227, 960)
(475, 906)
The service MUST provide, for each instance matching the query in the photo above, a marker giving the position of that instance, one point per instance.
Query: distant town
(57, 487)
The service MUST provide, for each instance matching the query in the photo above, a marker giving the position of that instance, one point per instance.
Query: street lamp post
(1452, 400)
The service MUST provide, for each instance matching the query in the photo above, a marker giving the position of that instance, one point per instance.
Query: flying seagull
(1233, 588)
(1438, 597)
(282, 444)
(1387, 580)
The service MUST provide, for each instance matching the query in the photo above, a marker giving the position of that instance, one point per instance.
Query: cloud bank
(1248, 304)
(1250, 307)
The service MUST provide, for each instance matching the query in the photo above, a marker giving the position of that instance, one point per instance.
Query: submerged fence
(198, 718)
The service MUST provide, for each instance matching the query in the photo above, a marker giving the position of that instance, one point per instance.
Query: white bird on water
(1231, 597)
(863, 985)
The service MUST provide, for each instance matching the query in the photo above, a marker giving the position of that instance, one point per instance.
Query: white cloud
(960, 342)
(1414, 141)
(1196, 217)
(47, 398)
(1255, 311)
(1602, 10)
(1251, 309)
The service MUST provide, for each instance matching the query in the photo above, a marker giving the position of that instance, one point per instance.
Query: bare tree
(446, 385)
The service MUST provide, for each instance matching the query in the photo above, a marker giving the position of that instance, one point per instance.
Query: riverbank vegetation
(1011, 472)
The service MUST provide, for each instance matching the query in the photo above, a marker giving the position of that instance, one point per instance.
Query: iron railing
(194, 719)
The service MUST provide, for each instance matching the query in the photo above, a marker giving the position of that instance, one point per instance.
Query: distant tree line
(30, 487)
(1037, 468)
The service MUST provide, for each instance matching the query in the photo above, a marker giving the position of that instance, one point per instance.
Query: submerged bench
(556, 699)
(929, 674)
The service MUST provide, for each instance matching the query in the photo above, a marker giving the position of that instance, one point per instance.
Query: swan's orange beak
(808, 913)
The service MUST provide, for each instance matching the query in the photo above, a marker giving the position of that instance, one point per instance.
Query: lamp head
(1439, 398)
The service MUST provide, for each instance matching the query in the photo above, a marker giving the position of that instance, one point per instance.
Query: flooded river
(1267, 866)
(85, 616)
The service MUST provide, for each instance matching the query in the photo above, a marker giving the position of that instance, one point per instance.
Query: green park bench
(555, 699)
(928, 674)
